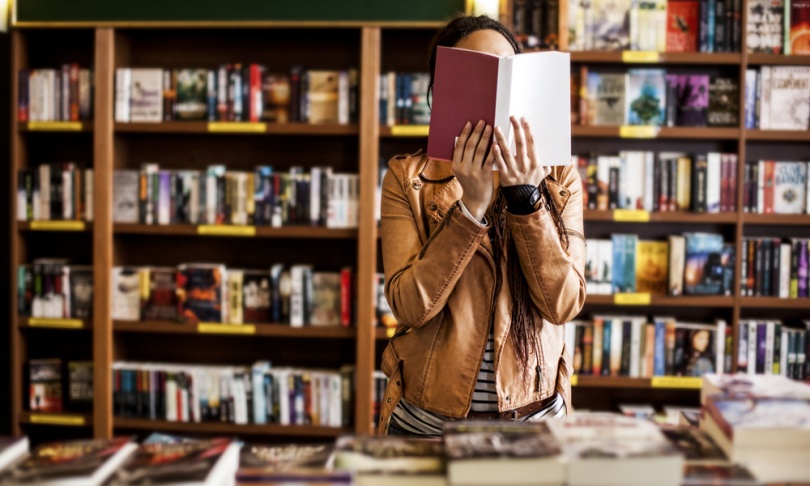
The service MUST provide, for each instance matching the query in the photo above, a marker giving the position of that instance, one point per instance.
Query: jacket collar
(436, 171)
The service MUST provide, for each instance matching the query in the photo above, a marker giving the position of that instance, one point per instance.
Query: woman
(482, 268)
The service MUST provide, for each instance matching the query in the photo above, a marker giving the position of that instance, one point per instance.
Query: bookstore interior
(197, 292)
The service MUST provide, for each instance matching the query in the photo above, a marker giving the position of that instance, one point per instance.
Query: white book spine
(720, 346)
(283, 397)
(783, 349)
(636, 327)
(88, 194)
(194, 198)
(67, 194)
(752, 347)
(297, 296)
(713, 183)
(171, 400)
(769, 349)
(123, 89)
(343, 97)
(765, 98)
(22, 211)
(784, 271)
(315, 196)
(649, 180)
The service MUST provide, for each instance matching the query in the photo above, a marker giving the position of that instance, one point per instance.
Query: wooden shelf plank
(230, 429)
(404, 131)
(56, 127)
(778, 60)
(44, 323)
(59, 419)
(199, 127)
(777, 219)
(616, 57)
(668, 301)
(57, 225)
(658, 382)
(316, 232)
(774, 303)
(667, 217)
(779, 135)
(710, 133)
(269, 330)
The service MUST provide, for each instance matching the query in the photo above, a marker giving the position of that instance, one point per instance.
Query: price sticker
(56, 323)
(574, 380)
(55, 126)
(212, 328)
(237, 127)
(631, 215)
(49, 419)
(638, 131)
(225, 230)
(410, 130)
(58, 225)
(691, 382)
(632, 299)
(640, 56)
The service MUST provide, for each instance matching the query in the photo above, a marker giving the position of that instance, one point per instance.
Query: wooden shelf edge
(665, 217)
(228, 428)
(199, 127)
(54, 127)
(777, 219)
(56, 324)
(29, 226)
(229, 24)
(774, 303)
(58, 419)
(269, 330)
(711, 133)
(667, 300)
(260, 231)
(665, 383)
(778, 135)
(778, 59)
(731, 58)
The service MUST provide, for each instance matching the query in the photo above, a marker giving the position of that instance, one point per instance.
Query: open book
(472, 86)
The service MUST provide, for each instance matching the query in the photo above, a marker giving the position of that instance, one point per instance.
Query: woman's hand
(473, 168)
(523, 167)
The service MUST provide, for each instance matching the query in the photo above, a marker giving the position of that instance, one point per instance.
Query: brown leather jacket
(440, 280)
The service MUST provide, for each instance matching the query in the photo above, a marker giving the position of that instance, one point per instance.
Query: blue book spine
(712, 10)
(659, 365)
(618, 263)
(750, 98)
(606, 347)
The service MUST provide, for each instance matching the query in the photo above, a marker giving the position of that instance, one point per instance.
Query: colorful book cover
(645, 100)
(126, 303)
(724, 102)
(68, 461)
(652, 258)
(790, 183)
(693, 100)
(146, 95)
(192, 94)
(276, 97)
(624, 263)
(799, 35)
(790, 98)
(703, 270)
(200, 293)
(326, 305)
(727, 260)
(256, 300)
(289, 462)
(751, 117)
(323, 96)
(45, 385)
(611, 25)
(764, 29)
(683, 21)
(159, 293)
(699, 355)
(608, 95)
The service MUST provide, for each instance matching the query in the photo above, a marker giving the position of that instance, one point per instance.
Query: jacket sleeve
(419, 277)
(555, 276)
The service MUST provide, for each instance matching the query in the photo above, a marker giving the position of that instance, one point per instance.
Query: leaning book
(290, 464)
(471, 86)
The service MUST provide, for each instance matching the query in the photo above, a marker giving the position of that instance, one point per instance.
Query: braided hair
(524, 326)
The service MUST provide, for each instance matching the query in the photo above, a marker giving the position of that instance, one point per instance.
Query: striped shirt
(485, 399)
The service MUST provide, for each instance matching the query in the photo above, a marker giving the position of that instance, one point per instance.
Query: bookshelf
(374, 48)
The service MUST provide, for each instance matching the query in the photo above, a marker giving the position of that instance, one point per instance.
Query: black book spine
(767, 267)
(606, 332)
(719, 25)
(754, 187)
(626, 341)
(56, 192)
(657, 183)
(593, 186)
(758, 267)
(550, 23)
(776, 257)
(777, 349)
(736, 25)
(613, 188)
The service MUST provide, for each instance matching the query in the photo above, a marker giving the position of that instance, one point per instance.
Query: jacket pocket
(390, 360)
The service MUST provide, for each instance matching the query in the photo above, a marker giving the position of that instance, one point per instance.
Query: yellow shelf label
(58, 225)
(574, 380)
(693, 382)
(57, 323)
(410, 130)
(55, 126)
(631, 215)
(631, 299)
(638, 131)
(389, 333)
(640, 56)
(226, 230)
(70, 420)
(212, 328)
(237, 127)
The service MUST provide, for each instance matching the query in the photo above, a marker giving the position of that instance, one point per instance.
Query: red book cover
(724, 182)
(73, 90)
(767, 191)
(683, 20)
(346, 297)
(255, 102)
(800, 27)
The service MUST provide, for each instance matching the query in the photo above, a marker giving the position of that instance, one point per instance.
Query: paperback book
(645, 101)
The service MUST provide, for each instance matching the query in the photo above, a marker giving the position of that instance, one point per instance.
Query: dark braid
(459, 28)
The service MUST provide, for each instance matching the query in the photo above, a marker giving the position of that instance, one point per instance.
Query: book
(80, 385)
(692, 100)
(695, 349)
(72, 463)
(696, 446)
(45, 385)
(322, 96)
(125, 196)
(257, 296)
(192, 94)
(718, 474)
(677, 250)
(276, 97)
(645, 100)
(683, 22)
(126, 297)
(789, 185)
(724, 103)
(209, 462)
(608, 90)
(487, 453)
(12, 450)
(789, 98)
(611, 28)
(652, 258)
(389, 454)
(624, 263)
(158, 293)
(326, 301)
(703, 272)
(746, 385)
(146, 95)
(764, 28)
(798, 35)
(534, 85)
(201, 293)
(290, 463)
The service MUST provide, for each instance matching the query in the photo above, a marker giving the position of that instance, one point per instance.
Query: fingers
(527, 131)
(498, 157)
(504, 150)
(458, 150)
(520, 142)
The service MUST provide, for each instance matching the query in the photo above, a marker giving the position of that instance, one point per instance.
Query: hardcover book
(703, 271)
(790, 98)
(326, 303)
(80, 385)
(692, 100)
(652, 258)
(159, 293)
(764, 29)
(125, 196)
(45, 388)
(789, 185)
(201, 293)
(276, 97)
(322, 95)
(146, 95)
(257, 294)
(608, 93)
(192, 94)
(502, 453)
(799, 34)
(471, 86)
(646, 97)
(611, 25)
(624, 263)
(683, 22)
(724, 103)
(290, 462)
(126, 302)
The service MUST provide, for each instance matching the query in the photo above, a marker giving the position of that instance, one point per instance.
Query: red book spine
(767, 193)
(255, 92)
(346, 297)
(682, 25)
(724, 183)
(800, 27)
(73, 90)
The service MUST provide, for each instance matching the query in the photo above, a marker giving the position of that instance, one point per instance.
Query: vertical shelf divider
(102, 231)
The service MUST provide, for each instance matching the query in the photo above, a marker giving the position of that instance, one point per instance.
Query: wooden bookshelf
(243, 128)
(665, 58)
(799, 136)
(219, 428)
(776, 219)
(247, 330)
(712, 301)
(660, 217)
(774, 303)
(777, 60)
(301, 232)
